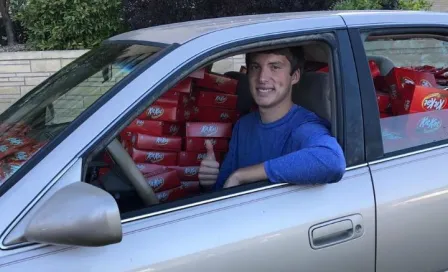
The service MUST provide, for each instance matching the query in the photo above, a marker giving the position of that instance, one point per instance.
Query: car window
(36, 119)
(235, 63)
(167, 140)
(410, 74)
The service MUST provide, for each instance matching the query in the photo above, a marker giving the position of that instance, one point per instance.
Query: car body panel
(265, 231)
(412, 196)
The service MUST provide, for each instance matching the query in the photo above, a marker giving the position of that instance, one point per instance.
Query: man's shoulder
(248, 118)
(309, 121)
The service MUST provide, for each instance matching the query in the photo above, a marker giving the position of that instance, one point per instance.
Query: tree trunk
(7, 22)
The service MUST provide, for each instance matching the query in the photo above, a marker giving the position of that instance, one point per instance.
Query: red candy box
(169, 113)
(214, 99)
(149, 142)
(194, 158)
(218, 83)
(187, 173)
(155, 128)
(157, 157)
(211, 130)
(211, 114)
(163, 181)
(198, 144)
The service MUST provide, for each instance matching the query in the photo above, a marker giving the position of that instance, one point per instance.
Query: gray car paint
(266, 230)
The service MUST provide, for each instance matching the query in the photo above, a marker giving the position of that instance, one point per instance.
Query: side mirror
(79, 214)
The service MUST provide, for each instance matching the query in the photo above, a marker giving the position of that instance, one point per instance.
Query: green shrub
(382, 4)
(70, 24)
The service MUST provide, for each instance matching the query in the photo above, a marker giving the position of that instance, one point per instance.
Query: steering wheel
(129, 168)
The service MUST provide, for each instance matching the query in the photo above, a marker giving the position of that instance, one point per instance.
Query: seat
(384, 64)
(313, 93)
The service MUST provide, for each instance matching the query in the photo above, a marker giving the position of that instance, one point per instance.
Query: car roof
(185, 31)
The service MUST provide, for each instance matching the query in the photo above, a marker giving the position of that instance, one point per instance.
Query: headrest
(313, 93)
(384, 64)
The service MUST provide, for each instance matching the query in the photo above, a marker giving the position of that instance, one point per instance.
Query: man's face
(270, 79)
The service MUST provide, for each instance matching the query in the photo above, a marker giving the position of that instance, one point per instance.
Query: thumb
(210, 152)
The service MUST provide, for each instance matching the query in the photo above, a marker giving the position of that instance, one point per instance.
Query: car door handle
(336, 231)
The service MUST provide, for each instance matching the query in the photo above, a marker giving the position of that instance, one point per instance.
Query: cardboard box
(383, 100)
(192, 187)
(169, 113)
(198, 144)
(163, 143)
(374, 70)
(214, 99)
(212, 114)
(218, 83)
(163, 181)
(187, 158)
(413, 99)
(157, 157)
(173, 98)
(155, 128)
(183, 86)
(208, 129)
(151, 169)
(173, 194)
(187, 173)
(398, 78)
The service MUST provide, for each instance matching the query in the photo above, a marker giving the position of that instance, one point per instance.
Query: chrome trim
(202, 202)
(408, 154)
(132, 219)
(30, 206)
(356, 167)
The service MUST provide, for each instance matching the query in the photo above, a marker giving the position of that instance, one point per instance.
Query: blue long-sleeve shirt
(298, 149)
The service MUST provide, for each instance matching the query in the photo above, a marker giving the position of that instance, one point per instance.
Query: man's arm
(319, 160)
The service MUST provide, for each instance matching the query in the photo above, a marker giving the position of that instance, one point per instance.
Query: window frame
(374, 143)
(339, 82)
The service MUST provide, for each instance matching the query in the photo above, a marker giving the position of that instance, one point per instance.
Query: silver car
(387, 213)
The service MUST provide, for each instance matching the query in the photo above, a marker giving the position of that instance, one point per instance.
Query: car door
(264, 227)
(409, 180)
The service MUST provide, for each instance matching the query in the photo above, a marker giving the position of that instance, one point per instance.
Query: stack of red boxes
(167, 141)
(416, 98)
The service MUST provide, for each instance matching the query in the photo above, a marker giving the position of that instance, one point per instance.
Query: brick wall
(21, 71)
(440, 5)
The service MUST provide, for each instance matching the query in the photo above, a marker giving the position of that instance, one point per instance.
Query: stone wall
(22, 71)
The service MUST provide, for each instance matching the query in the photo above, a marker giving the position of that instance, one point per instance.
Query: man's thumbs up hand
(210, 152)
(209, 169)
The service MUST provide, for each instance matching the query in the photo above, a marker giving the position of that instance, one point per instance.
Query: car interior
(115, 171)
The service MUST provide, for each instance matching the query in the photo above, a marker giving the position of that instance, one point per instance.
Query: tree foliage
(382, 4)
(145, 13)
(69, 24)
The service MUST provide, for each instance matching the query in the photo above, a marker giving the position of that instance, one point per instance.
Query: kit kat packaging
(162, 143)
(187, 173)
(214, 99)
(163, 181)
(213, 114)
(155, 128)
(218, 83)
(166, 158)
(415, 99)
(208, 129)
(194, 158)
(198, 144)
(165, 112)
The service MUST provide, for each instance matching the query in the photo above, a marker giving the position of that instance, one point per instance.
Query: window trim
(329, 35)
(372, 124)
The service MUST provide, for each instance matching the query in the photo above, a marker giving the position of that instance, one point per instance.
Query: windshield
(38, 117)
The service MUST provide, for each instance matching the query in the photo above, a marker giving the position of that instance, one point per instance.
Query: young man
(281, 142)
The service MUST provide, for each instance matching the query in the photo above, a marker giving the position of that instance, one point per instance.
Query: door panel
(412, 198)
(263, 231)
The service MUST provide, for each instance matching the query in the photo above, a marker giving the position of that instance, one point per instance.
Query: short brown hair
(295, 56)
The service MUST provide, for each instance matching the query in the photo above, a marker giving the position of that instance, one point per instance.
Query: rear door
(409, 176)
(261, 227)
